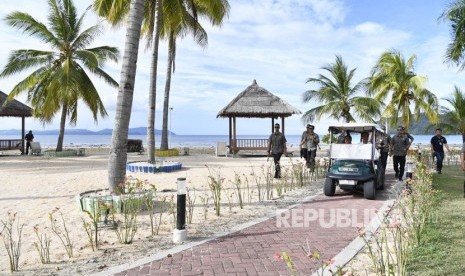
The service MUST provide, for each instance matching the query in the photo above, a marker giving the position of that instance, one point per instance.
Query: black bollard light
(180, 233)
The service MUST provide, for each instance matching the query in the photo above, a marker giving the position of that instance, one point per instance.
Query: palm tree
(118, 156)
(393, 77)
(115, 11)
(338, 97)
(183, 22)
(455, 13)
(59, 80)
(453, 120)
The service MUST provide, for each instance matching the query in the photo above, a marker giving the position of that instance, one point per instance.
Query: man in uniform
(383, 142)
(29, 138)
(400, 143)
(311, 139)
(277, 147)
(437, 148)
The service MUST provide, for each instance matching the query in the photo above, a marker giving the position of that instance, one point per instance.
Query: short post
(180, 233)
(409, 171)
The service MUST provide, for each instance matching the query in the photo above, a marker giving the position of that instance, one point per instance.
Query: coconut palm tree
(179, 25)
(115, 12)
(393, 78)
(59, 80)
(453, 119)
(338, 97)
(118, 156)
(455, 15)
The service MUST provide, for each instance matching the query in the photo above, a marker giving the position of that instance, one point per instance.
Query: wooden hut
(13, 108)
(254, 102)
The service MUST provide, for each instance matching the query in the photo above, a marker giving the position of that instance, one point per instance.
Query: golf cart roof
(357, 127)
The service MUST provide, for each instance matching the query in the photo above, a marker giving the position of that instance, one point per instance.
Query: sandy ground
(32, 186)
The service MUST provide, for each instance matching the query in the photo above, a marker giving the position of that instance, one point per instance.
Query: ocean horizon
(195, 141)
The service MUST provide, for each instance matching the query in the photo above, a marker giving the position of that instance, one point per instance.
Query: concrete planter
(64, 153)
(90, 200)
(145, 167)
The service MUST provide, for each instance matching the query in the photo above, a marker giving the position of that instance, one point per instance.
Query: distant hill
(107, 131)
(420, 127)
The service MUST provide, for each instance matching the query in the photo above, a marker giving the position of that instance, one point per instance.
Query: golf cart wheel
(369, 190)
(330, 187)
(380, 179)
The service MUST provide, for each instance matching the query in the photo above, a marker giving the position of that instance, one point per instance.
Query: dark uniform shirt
(438, 143)
(311, 140)
(400, 143)
(29, 137)
(383, 142)
(278, 142)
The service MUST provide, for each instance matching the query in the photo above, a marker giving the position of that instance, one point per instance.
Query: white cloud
(280, 43)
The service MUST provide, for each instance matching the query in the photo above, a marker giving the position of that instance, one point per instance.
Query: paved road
(326, 224)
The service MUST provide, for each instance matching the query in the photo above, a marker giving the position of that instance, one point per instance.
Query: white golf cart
(355, 166)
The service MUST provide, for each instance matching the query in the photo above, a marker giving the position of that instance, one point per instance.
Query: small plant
(160, 214)
(42, 245)
(151, 207)
(249, 193)
(90, 233)
(12, 244)
(92, 228)
(215, 185)
(204, 200)
(238, 185)
(229, 196)
(258, 183)
(267, 176)
(172, 211)
(125, 225)
(190, 205)
(61, 231)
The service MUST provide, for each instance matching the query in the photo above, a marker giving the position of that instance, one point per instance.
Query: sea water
(195, 141)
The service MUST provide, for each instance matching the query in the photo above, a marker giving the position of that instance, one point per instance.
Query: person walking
(311, 140)
(400, 143)
(276, 148)
(383, 142)
(29, 138)
(437, 148)
(303, 148)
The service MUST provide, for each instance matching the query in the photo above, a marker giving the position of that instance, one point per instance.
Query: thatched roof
(257, 102)
(13, 108)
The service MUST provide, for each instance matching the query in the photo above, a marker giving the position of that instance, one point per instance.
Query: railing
(11, 144)
(249, 144)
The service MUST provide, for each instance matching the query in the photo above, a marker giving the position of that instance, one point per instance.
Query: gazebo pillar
(272, 124)
(234, 135)
(23, 126)
(230, 135)
(282, 123)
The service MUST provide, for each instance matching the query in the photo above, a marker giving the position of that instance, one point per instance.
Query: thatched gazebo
(254, 102)
(14, 109)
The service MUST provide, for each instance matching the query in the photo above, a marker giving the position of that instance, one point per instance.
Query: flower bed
(145, 167)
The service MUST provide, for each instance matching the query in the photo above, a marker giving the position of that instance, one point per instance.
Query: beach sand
(33, 186)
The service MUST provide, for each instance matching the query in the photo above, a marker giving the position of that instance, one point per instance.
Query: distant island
(107, 131)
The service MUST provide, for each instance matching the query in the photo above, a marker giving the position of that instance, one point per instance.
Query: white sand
(32, 186)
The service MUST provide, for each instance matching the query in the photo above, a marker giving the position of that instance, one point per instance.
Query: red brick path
(251, 251)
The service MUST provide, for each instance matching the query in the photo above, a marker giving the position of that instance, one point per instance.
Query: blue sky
(280, 43)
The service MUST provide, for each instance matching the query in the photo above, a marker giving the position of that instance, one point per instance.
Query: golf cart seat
(352, 151)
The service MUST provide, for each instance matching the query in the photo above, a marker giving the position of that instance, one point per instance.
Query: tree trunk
(166, 100)
(64, 111)
(118, 153)
(153, 85)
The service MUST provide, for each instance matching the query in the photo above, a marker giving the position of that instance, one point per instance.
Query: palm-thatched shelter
(14, 108)
(254, 102)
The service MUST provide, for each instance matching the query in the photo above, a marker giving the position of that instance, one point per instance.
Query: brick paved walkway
(251, 251)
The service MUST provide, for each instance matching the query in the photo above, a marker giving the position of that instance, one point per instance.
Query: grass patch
(442, 251)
